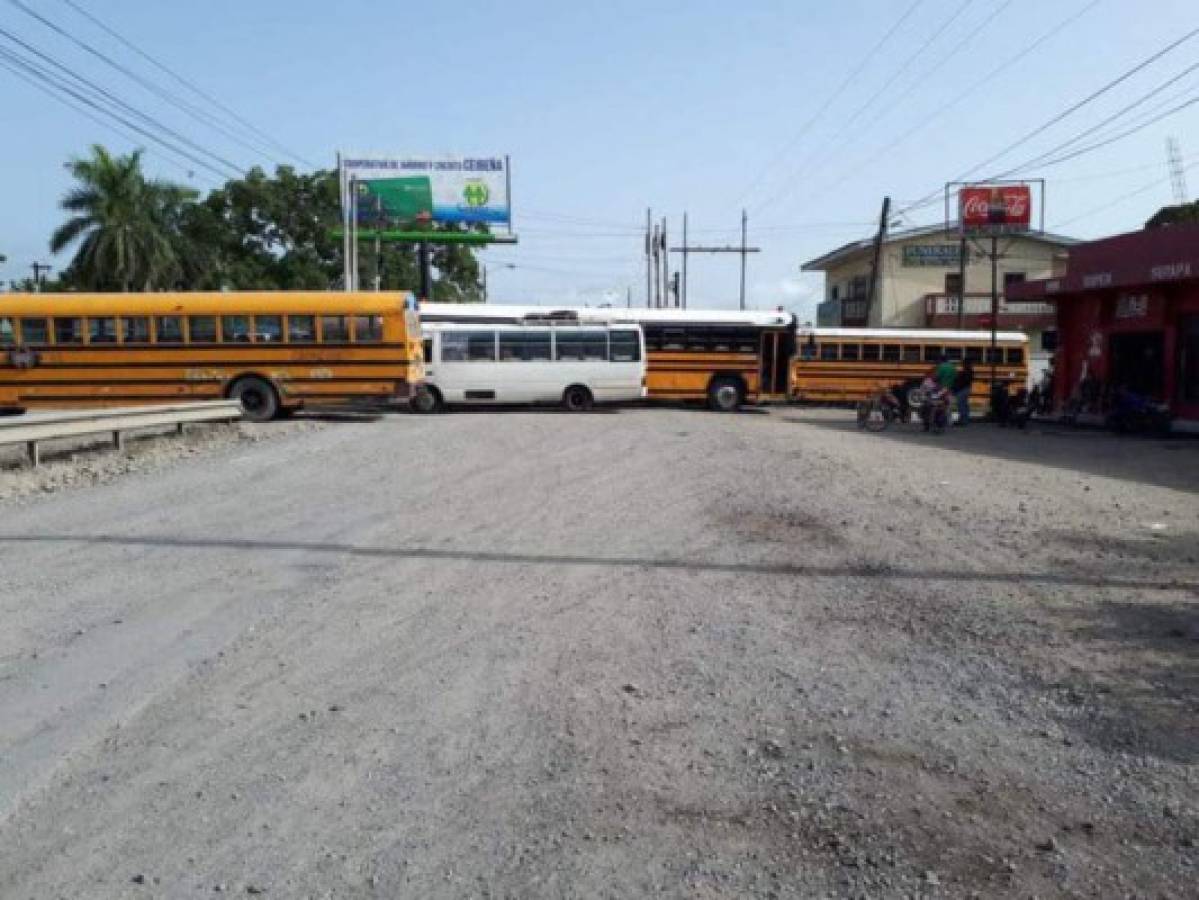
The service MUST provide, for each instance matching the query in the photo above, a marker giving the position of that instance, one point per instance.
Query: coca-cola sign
(995, 209)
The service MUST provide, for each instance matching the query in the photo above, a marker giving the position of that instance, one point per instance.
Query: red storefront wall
(1145, 282)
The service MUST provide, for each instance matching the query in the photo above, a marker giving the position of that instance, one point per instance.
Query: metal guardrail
(32, 429)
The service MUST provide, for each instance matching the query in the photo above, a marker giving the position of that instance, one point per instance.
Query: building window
(1049, 340)
(1010, 278)
(953, 283)
(835, 293)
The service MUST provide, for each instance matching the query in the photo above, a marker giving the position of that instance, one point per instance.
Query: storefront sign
(946, 256)
(1171, 272)
(995, 209)
(1132, 306)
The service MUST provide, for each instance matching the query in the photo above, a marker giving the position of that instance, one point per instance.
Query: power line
(149, 120)
(942, 109)
(163, 94)
(832, 98)
(1098, 127)
(77, 107)
(54, 81)
(199, 92)
(1123, 198)
(1059, 117)
(815, 160)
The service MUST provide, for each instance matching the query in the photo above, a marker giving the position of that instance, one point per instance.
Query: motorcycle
(1134, 413)
(934, 409)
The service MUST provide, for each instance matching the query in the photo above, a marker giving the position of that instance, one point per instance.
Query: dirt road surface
(645, 652)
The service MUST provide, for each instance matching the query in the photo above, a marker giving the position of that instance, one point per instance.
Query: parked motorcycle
(1136, 413)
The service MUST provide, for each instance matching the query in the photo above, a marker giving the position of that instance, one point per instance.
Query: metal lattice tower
(1178, 178)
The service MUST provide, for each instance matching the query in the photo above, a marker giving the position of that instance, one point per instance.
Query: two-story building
(920, 284)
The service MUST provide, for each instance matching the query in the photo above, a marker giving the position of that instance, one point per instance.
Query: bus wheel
(576, 398)
(259, 402)
(725, 394)
(426, 400)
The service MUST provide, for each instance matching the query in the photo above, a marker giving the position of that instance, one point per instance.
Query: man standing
(945, 373)
(962, 383)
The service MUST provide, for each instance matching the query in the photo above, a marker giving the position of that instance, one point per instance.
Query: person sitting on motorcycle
(934, 395)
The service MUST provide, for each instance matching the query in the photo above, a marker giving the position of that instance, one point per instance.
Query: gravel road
(610, 655)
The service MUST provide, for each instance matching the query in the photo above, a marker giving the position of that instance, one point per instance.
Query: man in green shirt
(946, 373)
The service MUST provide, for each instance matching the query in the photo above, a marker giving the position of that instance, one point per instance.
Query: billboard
(995, 209)
(399, 191)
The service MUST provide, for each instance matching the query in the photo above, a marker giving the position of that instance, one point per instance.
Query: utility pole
(484, 283)
(628, 297)
(666, 265)
(649, 290)
(684, 300)
(743, 250)
(994, 306)
(40, 271)
(879, 239)
(657, 270)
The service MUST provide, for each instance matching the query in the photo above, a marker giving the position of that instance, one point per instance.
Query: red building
(1128, 315)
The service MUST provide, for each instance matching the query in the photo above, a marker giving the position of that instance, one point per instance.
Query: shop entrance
(1137, 363)
(1188, 367)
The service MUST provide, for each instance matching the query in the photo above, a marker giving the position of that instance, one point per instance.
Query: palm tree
(124, 223)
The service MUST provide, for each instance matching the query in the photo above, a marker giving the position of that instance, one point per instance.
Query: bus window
(102, 330)
(235, 329)
(809, 350)
(525, 346)
(891, 352)
(268, 329)
(953, 353)
(851, 352)
(674, 339)
(653, 337)
(201, 329)
(933, 353)
(301, 329)
(581, 345)
(335, 330)
(911, 353)
(700, 339)
(1015, 356)
(135, 330)
(974, 354)
(995, 355)
(34, 331)
(68, 331)
(427, 347)
(480, 346)
(368, 329)
(828, 351)
(871, 352)
(746, 341)
(453, 346)
(8, 331)
(625, 346)
(169, 329)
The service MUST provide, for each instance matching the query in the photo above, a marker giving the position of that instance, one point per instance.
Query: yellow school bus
(723, 358)
(274, 351)
(845, 365)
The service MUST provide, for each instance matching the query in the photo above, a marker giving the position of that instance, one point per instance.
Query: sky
(804, 113)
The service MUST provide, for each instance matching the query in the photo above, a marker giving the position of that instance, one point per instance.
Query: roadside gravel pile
(90, 461)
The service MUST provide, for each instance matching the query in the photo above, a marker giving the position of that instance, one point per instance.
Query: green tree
(124, 224)
(1175, 215)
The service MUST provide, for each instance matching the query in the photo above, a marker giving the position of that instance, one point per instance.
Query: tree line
(130, 232)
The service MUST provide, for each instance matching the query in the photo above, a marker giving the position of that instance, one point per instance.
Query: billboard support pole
(345, 224)
(994, 305)
(963, 250)
(353, 234)
(426, 271)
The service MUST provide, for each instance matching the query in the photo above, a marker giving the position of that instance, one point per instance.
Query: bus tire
(577, 398)
(725, 394)
(427, 400)
(258, 399)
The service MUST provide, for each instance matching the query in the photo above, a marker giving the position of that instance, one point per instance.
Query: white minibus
(564, 363)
